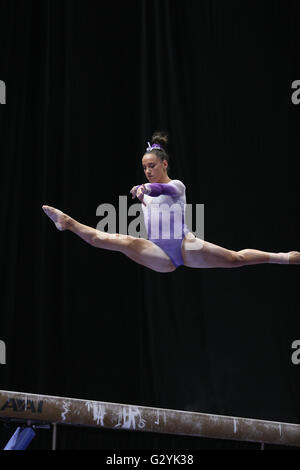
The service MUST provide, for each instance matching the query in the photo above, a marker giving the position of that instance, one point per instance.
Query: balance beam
(98, 414)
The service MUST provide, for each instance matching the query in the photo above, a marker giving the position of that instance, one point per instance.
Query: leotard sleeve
(175, 189)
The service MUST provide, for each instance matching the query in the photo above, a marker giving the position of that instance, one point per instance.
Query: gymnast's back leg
(141, 251)
(198, 253)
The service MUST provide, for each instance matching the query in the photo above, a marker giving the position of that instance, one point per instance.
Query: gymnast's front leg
(139, 250)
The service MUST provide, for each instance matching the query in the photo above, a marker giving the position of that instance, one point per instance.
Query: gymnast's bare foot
(294, 257)
(60, 219)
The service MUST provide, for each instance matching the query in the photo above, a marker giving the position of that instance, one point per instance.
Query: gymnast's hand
(139, 191)
(133, 191)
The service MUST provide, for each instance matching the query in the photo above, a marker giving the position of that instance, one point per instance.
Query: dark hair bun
(160, 137)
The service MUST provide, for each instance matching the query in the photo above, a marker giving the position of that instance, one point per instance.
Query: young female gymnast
(181, 247)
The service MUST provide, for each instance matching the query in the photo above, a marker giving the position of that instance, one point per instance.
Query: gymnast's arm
(175, 189)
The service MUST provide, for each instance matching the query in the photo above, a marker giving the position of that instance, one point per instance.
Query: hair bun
(160, 137)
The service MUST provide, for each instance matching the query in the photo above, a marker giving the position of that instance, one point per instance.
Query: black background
(87, 83)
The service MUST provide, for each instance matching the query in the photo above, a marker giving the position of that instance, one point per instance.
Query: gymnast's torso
(164, 217)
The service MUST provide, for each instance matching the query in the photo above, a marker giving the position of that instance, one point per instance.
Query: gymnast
(159, 252)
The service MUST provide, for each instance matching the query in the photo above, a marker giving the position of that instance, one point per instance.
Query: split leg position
(196, 253)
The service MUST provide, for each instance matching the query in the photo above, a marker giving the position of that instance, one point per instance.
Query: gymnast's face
(154, 169)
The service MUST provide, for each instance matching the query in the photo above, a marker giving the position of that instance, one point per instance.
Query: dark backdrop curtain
(87, 83)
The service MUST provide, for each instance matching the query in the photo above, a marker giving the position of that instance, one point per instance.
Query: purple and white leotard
(164, 216)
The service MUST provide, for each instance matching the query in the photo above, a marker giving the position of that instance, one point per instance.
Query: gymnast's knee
(111, 241)
(136, 244)
(237, 258)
